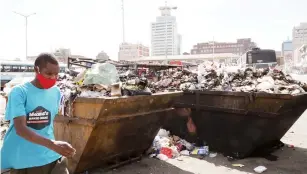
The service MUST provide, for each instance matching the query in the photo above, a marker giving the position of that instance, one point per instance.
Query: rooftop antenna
(166, 10)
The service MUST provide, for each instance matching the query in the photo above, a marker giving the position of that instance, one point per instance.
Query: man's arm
(23, 131)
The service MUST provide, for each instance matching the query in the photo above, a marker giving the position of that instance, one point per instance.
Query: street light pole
(213, 48)
(26, 18)
(123, 21)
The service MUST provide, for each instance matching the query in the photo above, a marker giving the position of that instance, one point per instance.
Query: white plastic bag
(101, 73)
(260, 169)
(163, 133)
(175, 152)
(160, 142)
(162, 157)
(266, 82)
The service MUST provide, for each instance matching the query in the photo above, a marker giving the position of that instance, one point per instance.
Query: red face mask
(45, 82)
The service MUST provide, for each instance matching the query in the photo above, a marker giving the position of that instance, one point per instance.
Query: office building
(287, 52)
(286, 46)
(61, 54)
(239, 47)
(299, 35)
(128, 51)
(165, 39)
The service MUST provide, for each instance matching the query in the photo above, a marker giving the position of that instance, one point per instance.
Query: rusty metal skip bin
(108, 132)
(239, 123)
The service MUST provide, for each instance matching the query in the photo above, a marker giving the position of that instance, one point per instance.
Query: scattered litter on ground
(162, 157)
(260, 169)
(172, 146)
(185, 153)
(291, 146)
(238, 165)
(212, 155)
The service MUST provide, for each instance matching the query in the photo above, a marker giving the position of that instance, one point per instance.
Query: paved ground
(291, 160)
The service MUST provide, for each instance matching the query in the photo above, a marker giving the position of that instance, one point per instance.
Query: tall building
(286, 46)
(287, 52)
(165, 39)
(299, 35)
(239, 47)
(128, 51)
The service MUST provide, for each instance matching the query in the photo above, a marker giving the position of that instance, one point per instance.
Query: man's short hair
(44, 58)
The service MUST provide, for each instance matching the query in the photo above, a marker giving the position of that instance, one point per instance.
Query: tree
(102, 56)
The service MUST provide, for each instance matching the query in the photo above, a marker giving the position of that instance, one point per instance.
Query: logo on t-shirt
(39, 118)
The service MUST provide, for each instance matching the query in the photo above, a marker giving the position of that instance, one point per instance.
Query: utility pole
(26, 18)
(213, 48)
(123, 21)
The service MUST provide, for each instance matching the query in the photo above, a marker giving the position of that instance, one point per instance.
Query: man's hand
(63, 148)
(191, 126)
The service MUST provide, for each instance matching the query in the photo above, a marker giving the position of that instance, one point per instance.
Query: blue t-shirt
(40, 107)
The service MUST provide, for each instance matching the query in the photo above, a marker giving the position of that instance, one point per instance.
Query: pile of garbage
(4, 127)
(247, 80)
(102, 80)
(167, 146)
(174, 79)
(211, 76)
(107, 80)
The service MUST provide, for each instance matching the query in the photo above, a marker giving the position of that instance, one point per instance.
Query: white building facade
(287, 53)
(128, 51)
(299, 35)
(165, 39)
(61, 54)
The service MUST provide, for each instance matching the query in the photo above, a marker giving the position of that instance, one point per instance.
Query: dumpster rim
(235, 93)
(102, 99)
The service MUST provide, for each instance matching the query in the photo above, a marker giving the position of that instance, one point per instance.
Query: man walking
(29, 146)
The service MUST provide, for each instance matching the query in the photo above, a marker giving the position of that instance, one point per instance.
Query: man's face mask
(46, 83)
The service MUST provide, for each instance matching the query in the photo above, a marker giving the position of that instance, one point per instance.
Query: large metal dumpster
(108, 132)
(237, 123)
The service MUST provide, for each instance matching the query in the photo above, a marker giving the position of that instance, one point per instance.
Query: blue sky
(89, 26)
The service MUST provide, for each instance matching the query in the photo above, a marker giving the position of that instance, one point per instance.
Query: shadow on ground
(146, 166)
(290, 161)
